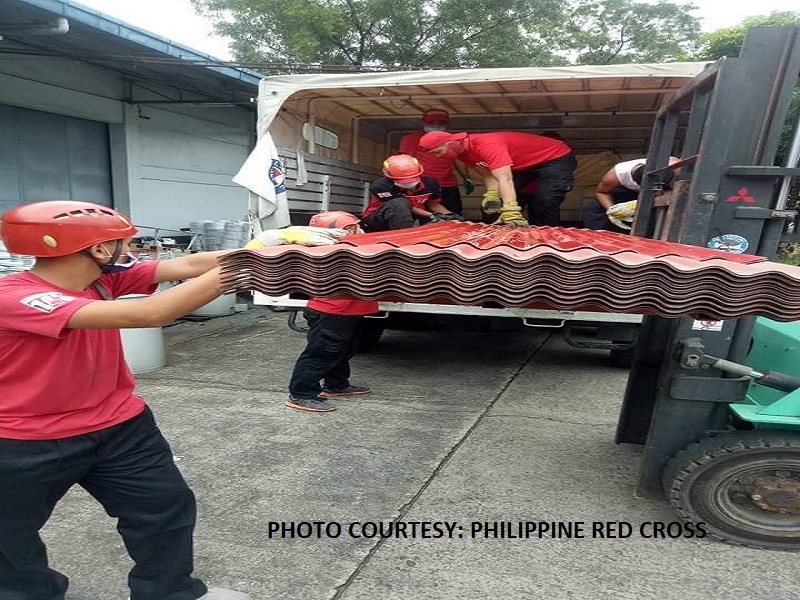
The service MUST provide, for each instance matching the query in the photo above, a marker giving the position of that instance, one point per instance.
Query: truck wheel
(744, 486)
(370, 334)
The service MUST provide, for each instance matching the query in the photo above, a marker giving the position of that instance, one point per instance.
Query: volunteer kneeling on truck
(404, 195)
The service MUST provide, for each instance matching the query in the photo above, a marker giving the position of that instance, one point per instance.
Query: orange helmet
(334, 219)
(61, 227)
(402, 168)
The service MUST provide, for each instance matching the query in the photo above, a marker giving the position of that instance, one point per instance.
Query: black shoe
(310, 404)
(350, 390)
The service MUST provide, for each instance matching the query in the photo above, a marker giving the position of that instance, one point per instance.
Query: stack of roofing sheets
(534, 267)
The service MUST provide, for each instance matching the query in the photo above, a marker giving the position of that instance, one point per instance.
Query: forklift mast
(723, 197)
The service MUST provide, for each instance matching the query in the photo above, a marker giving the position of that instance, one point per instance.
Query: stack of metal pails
(219, 235)
(13, 263)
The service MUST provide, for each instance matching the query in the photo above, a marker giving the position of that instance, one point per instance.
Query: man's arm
(154, 311)
(603, 190)
(187, 267)
(503, 181)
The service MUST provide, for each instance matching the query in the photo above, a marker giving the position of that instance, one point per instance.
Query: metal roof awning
(138, 55)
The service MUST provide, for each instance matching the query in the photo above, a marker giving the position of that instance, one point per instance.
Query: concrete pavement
(462, 428)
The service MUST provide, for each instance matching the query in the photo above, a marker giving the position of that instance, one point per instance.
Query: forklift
(716, 404)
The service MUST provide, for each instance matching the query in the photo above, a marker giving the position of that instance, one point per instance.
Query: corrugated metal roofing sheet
(536, 267)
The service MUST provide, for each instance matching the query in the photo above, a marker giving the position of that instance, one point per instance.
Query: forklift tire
(370, 334)
(744, 487)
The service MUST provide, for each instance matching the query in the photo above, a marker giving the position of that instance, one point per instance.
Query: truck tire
(744, 486)
(370, 334)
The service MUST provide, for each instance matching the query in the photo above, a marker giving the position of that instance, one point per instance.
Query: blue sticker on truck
(729, 242)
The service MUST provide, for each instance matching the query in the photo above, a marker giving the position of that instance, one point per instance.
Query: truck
(332, 131)
(720, 450)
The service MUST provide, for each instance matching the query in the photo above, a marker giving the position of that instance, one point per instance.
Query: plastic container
(219, 307)
(143, 347)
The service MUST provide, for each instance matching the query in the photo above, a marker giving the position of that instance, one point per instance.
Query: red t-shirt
(437, 167)
(343, 307)
(57, 382)
(512, 148)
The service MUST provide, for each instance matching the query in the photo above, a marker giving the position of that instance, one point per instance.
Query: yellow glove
(491, 203)
(622, 214)
(306, 236)
(510, 215)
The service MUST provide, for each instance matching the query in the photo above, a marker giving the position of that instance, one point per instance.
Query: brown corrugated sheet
(532, 267)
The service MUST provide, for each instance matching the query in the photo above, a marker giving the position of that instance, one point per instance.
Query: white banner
(264, 174)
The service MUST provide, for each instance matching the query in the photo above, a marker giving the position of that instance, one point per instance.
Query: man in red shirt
(509, 161)
(441, 169)
(334, 327)
(68, 412)
(404, 195)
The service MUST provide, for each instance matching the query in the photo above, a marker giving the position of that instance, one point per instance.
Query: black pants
(332, 342)
(555, 178)
(594, 215)
(130, 470)
(394, 213)
(451, 199)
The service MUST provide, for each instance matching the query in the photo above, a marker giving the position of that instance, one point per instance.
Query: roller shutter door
(44, 156)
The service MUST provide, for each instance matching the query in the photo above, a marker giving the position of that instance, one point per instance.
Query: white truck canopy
(595, 108)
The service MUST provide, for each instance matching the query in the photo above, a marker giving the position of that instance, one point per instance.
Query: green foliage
(392, 34)
(622, 31)
(788, 254)
(728, 41)
(451, 33)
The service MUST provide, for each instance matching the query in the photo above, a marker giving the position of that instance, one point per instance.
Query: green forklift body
(776, 347)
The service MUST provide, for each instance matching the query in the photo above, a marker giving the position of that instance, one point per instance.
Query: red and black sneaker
(350, 390)
(310, 404)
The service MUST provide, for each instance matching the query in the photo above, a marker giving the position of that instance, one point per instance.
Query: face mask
(407, 186)
(122, 265)
(429, 128)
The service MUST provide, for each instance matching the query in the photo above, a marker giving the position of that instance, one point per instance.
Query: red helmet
(402, 168)
(334, 219)
(61, 227)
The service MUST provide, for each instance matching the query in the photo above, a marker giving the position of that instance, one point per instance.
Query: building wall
(170, 164)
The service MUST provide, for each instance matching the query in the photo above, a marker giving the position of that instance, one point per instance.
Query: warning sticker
(707, 325)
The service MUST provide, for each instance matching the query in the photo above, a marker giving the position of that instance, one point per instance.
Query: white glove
(622, 214)
(297, 234)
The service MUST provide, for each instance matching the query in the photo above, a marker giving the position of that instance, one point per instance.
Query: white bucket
(219, 307)
(143, 347)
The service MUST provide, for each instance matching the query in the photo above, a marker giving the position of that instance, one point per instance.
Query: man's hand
(306, 236)
(511, 215)
(451, 216)
(491, 203)
(469, 187)
(622, 214)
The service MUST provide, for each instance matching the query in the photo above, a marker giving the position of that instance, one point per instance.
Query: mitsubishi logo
(742, 196)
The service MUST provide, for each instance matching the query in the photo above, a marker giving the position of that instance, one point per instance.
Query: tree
(392, 34)
(728, 41)
(387, 33)
(623, 31)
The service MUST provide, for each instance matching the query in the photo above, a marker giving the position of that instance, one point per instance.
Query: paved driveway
(467, 437)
